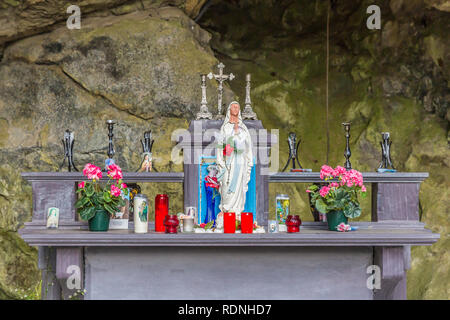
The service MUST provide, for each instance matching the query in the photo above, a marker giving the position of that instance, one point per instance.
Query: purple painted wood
(391, 261)
(50, 287)
(60, 194)
(306, 237)
(399, 201)
(70, 270)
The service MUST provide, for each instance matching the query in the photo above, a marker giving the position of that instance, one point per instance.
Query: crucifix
(220, 78)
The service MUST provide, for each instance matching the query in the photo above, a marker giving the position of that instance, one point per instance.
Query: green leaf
(89, 190)
(321, 206)
(81, 202)
(352, 210)
(109, 209)
(87, 213)
(313, 187)
(107, 197)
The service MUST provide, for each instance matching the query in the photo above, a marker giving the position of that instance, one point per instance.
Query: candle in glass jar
(140, 214)
(229, 222)
(161, 211)
(188, 224)
(247, 222)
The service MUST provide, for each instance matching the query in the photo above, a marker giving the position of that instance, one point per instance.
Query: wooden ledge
(306, 237)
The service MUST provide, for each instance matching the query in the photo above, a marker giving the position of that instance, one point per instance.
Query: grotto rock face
(140, 69)
(139, 63)
(395, 79)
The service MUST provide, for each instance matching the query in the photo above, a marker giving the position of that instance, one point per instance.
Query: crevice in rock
(99, 95)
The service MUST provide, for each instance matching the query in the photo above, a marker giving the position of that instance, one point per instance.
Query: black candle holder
(68, 142)
(111, 152)
(147, 145)
(293, 154)
(347, 152)
(386, 162)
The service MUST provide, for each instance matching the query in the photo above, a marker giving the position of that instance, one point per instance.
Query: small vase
(100, 221)
(171, 223)
(293, 223)
(335, 218)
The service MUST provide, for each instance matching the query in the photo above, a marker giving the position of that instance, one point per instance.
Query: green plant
(340, 194)
(93, 196)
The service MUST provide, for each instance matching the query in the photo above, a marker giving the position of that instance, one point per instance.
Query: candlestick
(347, 153)
(248, 113)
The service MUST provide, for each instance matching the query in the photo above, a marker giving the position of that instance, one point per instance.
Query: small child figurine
(212, 187)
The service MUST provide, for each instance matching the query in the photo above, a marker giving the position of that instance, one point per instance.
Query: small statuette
(293, 154)
(204, 112)
(111, 152)
(220, 78)
(68, 150)
(248, 113)
(52, 218)
(386, 161)
(147, 158)
(347, 153)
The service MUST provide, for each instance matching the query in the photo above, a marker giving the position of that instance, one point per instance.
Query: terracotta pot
(293, 223)
(171, 223)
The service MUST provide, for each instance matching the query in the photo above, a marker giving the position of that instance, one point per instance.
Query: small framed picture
(272, 226)
(52, 218)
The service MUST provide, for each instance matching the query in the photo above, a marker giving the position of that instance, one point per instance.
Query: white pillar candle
(188, 224)
(140, 214)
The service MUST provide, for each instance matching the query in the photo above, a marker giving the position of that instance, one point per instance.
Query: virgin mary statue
(234, 161)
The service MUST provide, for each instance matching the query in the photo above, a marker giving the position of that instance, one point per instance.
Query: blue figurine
(212, 191)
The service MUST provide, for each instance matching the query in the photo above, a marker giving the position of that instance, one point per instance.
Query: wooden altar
(312, 264)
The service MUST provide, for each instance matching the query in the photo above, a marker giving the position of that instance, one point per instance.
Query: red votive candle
(161, 211)
(229, 222)
(247, 222)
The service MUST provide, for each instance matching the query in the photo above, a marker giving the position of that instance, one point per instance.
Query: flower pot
(171, 223)
(334, 218)
(293, 223)
(100, 221)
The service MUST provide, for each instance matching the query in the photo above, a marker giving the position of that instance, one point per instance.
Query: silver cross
(220, 78)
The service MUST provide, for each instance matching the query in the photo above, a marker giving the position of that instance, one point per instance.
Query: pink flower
(338, 171)
(363, 188)
(81, 185)
(115, 191)
(228, 150)
(325, 171)
(324, 191)
(115, 172)
(334, 185)
(308, 191)
(342, 227)
(123, 185)
(92, 172)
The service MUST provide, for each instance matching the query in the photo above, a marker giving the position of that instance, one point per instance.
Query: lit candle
(229, 222)
(161, 211)
(247, 222)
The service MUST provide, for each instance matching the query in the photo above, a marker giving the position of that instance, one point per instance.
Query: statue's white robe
(236, 167)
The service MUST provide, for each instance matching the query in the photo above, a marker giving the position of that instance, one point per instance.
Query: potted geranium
(339, 199)
(97, 202)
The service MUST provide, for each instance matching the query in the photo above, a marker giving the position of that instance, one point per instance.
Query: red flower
(202, 225)
(228, 150)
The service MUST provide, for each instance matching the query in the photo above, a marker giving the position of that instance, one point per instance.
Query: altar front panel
(228, 273)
